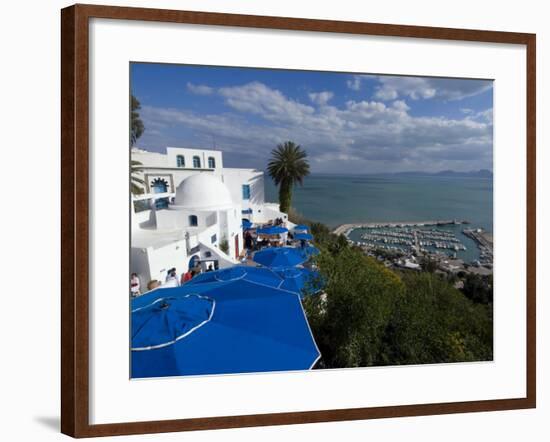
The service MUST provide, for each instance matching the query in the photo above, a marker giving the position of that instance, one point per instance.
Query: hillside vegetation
(373, 316)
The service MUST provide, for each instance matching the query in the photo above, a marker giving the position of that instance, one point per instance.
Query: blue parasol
(301, 228)
(259, 275)
(234, 326)
(272, 230)
(300, 280)
(279, 257)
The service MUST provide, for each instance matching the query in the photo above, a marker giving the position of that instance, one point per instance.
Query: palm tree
(136, 182)
(136, 125)
(288, 166)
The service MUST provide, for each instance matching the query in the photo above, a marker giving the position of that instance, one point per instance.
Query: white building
(192, 206)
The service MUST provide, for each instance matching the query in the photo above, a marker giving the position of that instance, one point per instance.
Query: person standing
(248, 240)
(186, 277)
(135, 286)
(171, 278)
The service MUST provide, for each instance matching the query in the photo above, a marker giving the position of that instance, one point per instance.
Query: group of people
(257, 242)
(251, 242)
(254, 241)
(171, 280)
(135, 285)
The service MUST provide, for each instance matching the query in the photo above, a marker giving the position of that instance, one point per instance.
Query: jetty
(345, 229)
(484, 242)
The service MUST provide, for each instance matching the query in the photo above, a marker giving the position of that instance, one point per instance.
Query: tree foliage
(370, 315)
(287, 167)
(136, 183)
(350, 321)
(224, 246)
(433, 322)
(136, 124)
(428, 264)
(479, 288)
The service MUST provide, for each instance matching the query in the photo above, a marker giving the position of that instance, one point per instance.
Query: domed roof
(202, 192)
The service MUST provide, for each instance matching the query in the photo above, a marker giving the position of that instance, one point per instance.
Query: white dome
(202, 192)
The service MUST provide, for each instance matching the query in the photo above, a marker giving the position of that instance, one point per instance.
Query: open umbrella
(300, 280)
(247, 225)
(279, 257)
(301, 228)
(272, 230)
(234, 326)
(259, 275)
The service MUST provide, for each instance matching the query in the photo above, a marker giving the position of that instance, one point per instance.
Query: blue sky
(347, 123)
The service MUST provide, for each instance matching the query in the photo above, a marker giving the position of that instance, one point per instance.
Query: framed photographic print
(275, 220)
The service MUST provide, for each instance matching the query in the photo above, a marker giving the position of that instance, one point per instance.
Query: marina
(485, 243)
(435, 238)
(410, 239)
(344, 229)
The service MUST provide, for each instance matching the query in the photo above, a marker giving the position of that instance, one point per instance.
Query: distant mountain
(482, 173)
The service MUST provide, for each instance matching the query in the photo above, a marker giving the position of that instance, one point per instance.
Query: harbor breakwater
(344, 229)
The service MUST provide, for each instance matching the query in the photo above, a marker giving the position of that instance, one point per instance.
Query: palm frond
(135, 181)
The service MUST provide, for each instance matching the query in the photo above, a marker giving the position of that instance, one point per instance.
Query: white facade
(190, 206)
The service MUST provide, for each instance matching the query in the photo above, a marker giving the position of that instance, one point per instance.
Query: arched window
(160, 185)
(196, 162)
(193, 220)
(181, 160)
(211, 163)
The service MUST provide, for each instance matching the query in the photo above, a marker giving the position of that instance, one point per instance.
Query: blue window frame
(181, 160)
(211, 163)
(196, 162)
(159, 185)
(193, 220)
(246, 191)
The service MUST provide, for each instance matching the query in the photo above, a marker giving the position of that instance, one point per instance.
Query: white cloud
(386, 94)
(417, 88)
(400, 105)
(411, 87)
(359, 136)
(199, 89)
(257, 98)
(321, 98)
(486, 115)
(354, 83)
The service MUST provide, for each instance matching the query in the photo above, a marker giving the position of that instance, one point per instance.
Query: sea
(342, 199)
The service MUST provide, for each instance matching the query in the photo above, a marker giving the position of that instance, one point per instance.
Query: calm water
(335, 200)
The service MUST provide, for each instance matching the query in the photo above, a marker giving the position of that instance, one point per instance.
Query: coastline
(343, 229)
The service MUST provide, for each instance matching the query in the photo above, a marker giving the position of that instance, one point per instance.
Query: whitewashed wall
(234, 180)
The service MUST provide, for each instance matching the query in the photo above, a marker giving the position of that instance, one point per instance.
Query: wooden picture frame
(75, 219)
